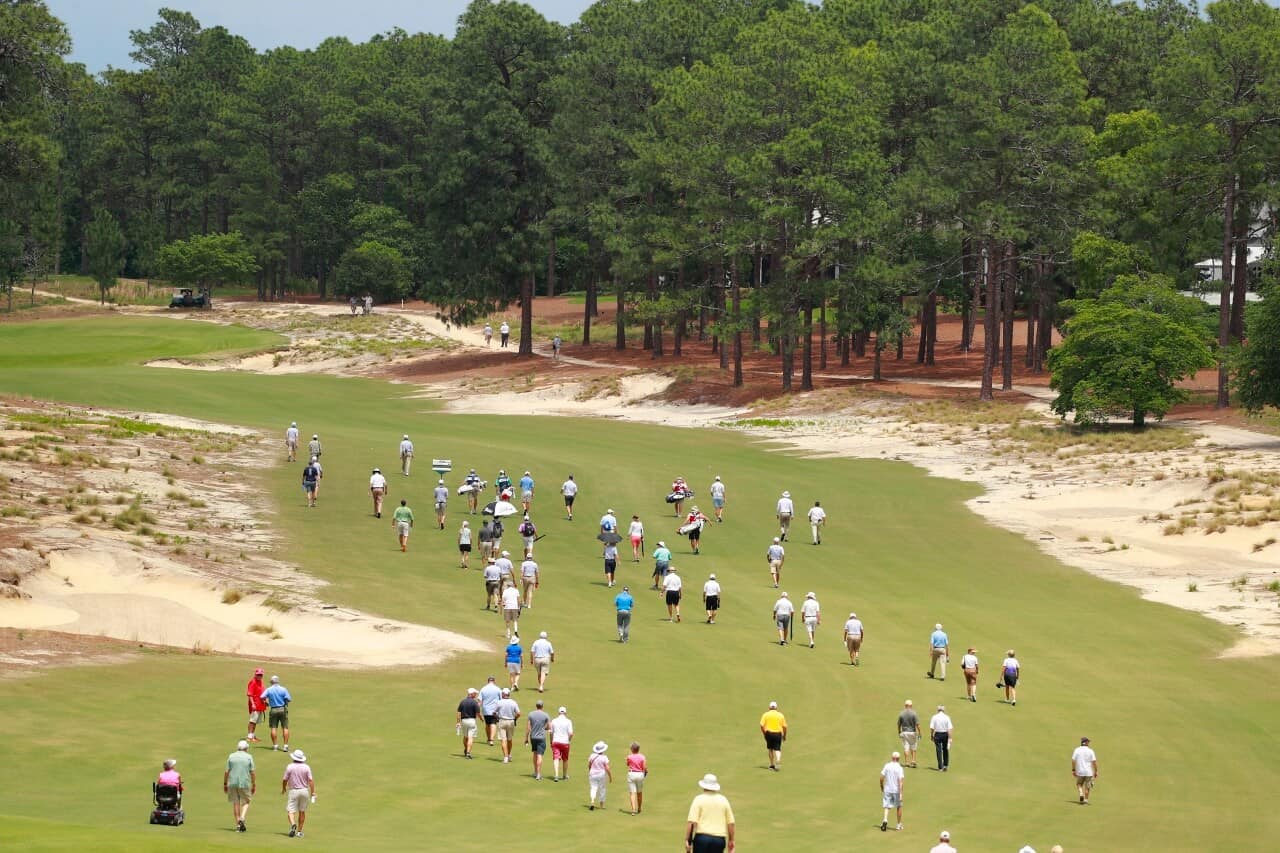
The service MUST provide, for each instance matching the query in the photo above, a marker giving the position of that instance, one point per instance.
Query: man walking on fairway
(853, 634)
(943, 732)
(508, 712)
(1010, 672)
(490, 695)
(776, 555)
(377, 490)
(785, 510)
(939, 652)
(672, 586)
(402, 521)
(817, 520)
(892, 780)
(908, 729)
(1084, 767)
(278, 698)
(623, 603)
(811, 612)
(783, 609)
(240, 783)
(492, 581)
(541, 655)
(661, 562)
(535, 736)
(406, 455)
(717, 498)
(314, 447)
(311, 483)
(710, 826)
(440, 497)
(773, 725)
(711, 598)
(530, 580)
(969, 666)
(299, 788)
(570, 491)
(469, 711)
(291, 441)
(561, 739)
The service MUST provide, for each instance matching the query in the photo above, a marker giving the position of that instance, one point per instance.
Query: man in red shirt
(257, 705)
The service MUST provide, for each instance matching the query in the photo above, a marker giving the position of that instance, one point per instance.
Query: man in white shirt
(717, 497)
(672, 586)
(570, 491)
(529, 580)
(406, 455)
(508, 711)
(853, 634)
(314, 448)
(542, 654)
(892, 780)
(817, 520)
(785, 510)
(943, 733)
(969, 666)
(811, 612)
(782, 612)
(505, 331)
(944, 844)
(775, 556)
(440, 496)
(1084, 767)
(561, 738)
(492, 584)
(291, 441)
(378, 489)
(506, 568)
(511, 609)
(711, 598)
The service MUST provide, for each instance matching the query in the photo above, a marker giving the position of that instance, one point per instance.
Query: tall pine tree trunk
(1240, 273)
(1225, 289)
(651, 291)
(551, 265)
(527, 285)
(806, 327)
(586, 309)
(620, 340)
(737, 322)
(1010, 293)
(822, 330)
(990, 331)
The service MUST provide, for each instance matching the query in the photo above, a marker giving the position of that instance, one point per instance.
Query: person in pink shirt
(170, 776)
(300, 788)
(637, 769)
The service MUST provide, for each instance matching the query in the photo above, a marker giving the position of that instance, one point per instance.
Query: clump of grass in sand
(260, 628)
(231, 596)
(274, 602)
(603, 386)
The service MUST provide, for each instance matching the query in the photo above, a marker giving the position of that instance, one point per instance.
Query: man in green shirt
(402, 521)
(240, 782)
(661, 562)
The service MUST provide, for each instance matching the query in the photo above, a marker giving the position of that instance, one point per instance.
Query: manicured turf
(1185, 740)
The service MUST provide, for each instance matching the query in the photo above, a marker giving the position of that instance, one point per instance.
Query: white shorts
(635, 781)
(810, 623)
(402, 528)
(299, 799)
(599, 786)
(469, 727)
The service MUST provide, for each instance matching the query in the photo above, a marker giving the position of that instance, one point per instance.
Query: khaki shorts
(299, 799)
(506, 729)
(511, 615)
(468, 726)
(543, 665)
(853, 643)
(239, 796)
(635, 781)
(774, 565)
(909, 740)
(256, 717)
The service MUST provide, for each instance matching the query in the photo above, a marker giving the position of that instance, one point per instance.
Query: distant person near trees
(488, 335)
(505, 331)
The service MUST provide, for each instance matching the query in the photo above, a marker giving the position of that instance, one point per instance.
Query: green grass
(1166, 716)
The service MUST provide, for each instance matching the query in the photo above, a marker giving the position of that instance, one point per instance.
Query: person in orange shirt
(257, 705)
(773, 725)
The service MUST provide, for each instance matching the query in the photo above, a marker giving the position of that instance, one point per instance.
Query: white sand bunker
(114, 593)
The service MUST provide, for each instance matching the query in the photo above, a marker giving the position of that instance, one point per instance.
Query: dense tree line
(743, 170)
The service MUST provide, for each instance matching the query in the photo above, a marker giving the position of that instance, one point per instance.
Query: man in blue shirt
(490, 694)
(939, 652)
(526, 490)
(277, 698)
(623, 603)
(515, 654)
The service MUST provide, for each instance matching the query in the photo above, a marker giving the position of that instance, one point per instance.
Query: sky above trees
(100, 28)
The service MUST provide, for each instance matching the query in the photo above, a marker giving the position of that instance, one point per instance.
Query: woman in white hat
(598, 775)
(711, 824)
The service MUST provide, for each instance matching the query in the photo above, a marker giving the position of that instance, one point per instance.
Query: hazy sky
(100, 28)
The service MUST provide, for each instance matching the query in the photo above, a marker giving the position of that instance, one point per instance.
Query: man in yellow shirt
(774, 728)
(710, 827)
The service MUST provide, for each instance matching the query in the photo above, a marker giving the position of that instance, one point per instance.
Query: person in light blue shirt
(526, 490)
(490, 695)
(939, 652)
(623, 603)
(661, 562)
(277, 698)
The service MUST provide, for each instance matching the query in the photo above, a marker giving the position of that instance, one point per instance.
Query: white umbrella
(501, 509)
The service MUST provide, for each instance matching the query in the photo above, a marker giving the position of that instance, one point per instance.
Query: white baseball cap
(944, 836)
(773, 705)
